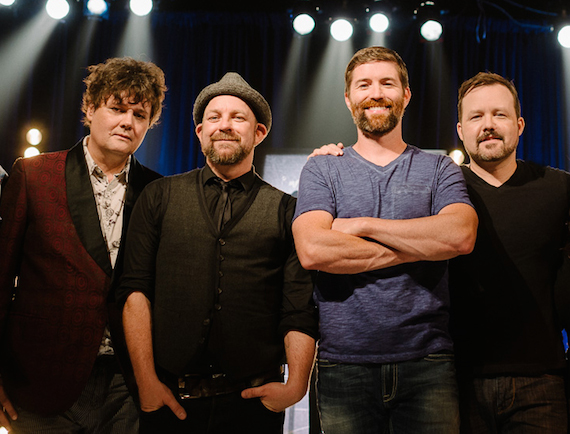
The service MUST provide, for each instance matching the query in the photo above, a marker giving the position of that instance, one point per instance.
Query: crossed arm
(355, 245)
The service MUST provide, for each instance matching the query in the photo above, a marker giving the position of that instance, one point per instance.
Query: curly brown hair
(117, 77)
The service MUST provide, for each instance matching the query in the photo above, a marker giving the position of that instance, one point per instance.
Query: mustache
(220, 135)
(488, 135)
(375, 103)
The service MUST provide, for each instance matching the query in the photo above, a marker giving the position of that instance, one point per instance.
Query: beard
(378, 125)
(225, 154)
(494, 154)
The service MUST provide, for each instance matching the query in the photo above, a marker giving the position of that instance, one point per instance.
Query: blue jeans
(418, 396)
(522, 405)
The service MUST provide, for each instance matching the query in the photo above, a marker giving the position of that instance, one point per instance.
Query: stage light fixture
(57, 9)
(96, 7)
(341, 30)
(6, 3)
(304, 24)
(140, 7)
(34, 136)
(564, 36)
(427, 15)
(379, 22)
(31, 152)
(431, 30)
(457, 156)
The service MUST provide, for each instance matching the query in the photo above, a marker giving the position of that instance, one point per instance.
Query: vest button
(207, 322)
(222, 241)
(218, 306)
(221, 273)
(221, 258)
(220, 290)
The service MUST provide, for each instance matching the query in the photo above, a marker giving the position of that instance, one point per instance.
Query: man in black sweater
(508, 344)
(215, 295)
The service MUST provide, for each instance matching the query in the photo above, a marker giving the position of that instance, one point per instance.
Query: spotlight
(341, 30)
(431, 30)
(304, 24)
(141, 7)
(427, 15)
(379, 22)
(457, 156)
(564, 36)
(31, 152)
(57, 9)
(96, 7)
(6, 3)
(34, 136)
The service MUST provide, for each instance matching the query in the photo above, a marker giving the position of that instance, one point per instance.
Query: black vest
(223, 286)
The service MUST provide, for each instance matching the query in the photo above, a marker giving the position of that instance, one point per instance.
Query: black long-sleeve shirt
(223, 298)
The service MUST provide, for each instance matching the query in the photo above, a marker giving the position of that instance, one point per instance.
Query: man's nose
(127, 119)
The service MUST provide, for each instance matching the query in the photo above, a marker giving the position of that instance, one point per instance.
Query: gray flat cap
(233, 84)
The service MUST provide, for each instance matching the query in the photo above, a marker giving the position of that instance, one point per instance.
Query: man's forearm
(332, 251)
(300, 352)
(433, 238)
(137, 323)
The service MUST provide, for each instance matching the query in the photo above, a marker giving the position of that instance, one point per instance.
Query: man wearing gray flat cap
(215, 296)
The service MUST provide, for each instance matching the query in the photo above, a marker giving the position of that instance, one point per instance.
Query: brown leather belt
(203, 386)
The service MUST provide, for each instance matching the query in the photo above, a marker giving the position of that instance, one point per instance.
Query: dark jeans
(221, 414)
(104, 407)
(418, 396)
(521, 405)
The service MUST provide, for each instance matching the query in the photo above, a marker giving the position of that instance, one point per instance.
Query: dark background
(195, 43)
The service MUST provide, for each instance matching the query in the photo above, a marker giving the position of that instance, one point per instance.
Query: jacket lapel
(83, 207)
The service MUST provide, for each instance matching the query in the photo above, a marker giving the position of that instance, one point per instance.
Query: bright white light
(303, 24)
(34, 137)
(379, 23)
(457, 156)
(431, 30)
(97, 7)
(564, 36)
(2, 429)
(57, 9)
(341, 30)
(6, 3)
(31, 152)
(141, 7)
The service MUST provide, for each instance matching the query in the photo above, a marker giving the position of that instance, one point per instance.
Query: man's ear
(459, 131)
(260, 133)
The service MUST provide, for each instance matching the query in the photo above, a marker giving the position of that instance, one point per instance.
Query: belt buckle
(195, 386)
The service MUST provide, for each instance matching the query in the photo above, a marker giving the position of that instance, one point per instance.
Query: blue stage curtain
(196, 49)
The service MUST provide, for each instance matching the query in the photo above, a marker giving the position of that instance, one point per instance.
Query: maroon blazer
(55, 278)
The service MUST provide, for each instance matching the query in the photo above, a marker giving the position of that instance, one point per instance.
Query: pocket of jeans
(440, 357)
(324, 363)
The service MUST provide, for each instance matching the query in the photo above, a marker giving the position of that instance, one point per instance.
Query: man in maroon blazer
(64, 215)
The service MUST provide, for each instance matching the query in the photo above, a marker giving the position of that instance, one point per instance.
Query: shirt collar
(94, 170)
(246, 180)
